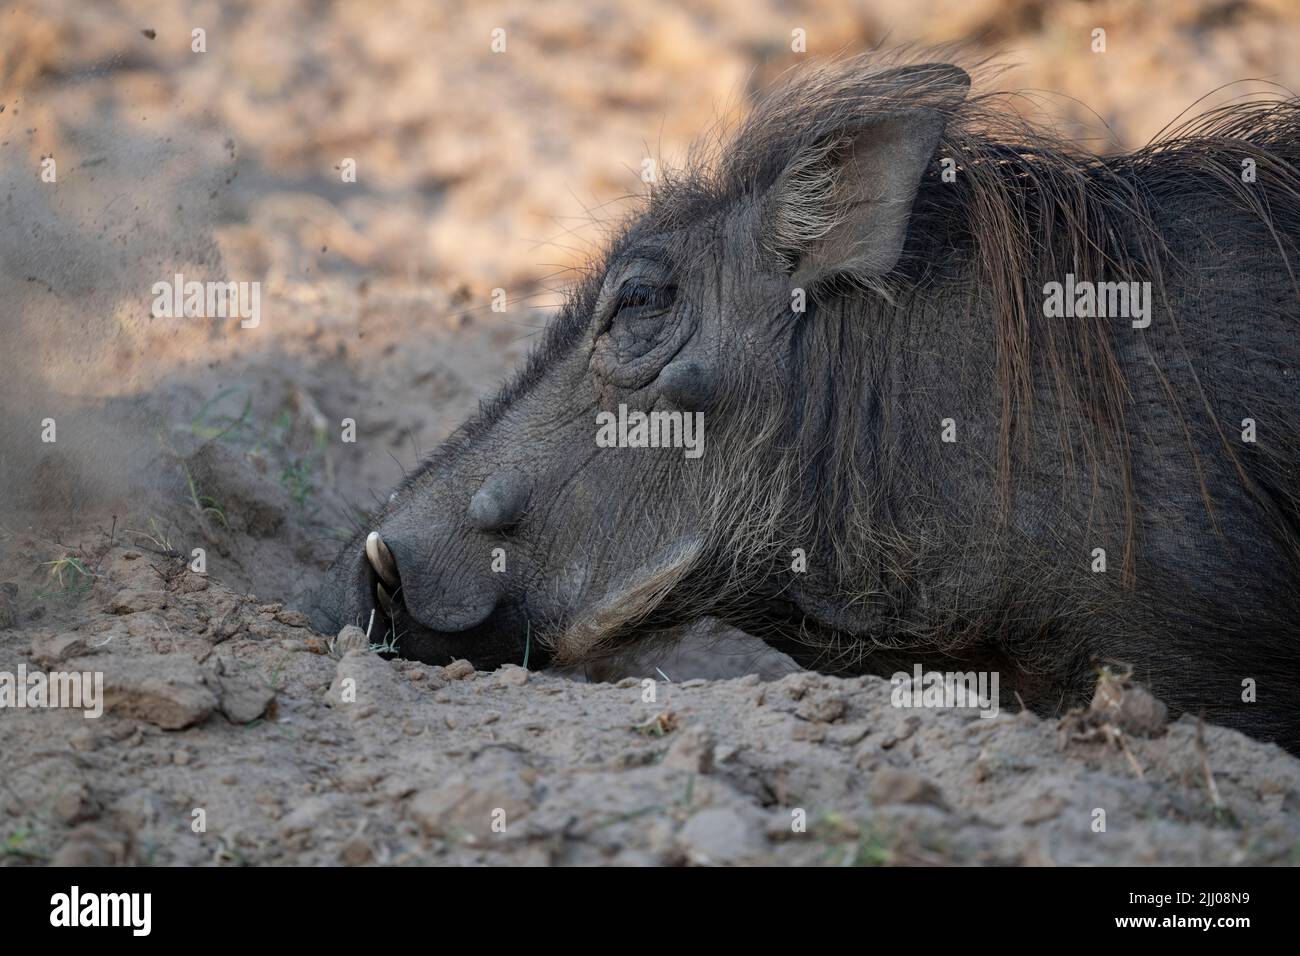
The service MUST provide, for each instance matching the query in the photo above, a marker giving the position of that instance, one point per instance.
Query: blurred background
(467, 159)
(215, 139)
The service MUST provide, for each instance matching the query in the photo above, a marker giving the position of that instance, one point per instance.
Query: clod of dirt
(75, 804)
(173, 691)
(167, 690)
(463, 809)
(660, 725)
(823, 708)
(890, 786)
(721, 836)
(458, 670)
(49, 649)
(357, 852)
(92, 845)
(846, 735)
(363, 682)
(133, 600)
(512, 675)
(242, 699)
(288, 616)
(693, 750)
(1127, 705)
(350, 639)
(308, 815)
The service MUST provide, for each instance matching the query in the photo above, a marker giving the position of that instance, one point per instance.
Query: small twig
(175, 647)
(1211, 787)
(1123, 746)
(165, 552)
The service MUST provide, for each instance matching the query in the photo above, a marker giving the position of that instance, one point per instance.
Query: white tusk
(381, 559)
(385, 601)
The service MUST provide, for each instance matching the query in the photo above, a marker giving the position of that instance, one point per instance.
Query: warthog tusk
(385, 602)
(381, 559)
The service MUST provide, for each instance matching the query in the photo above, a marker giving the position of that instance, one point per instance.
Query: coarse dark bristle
(1025, 205)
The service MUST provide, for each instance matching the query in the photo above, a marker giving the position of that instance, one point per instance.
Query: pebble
(351, 639)
(824, 707)
(50, 649)
(244, 699)
(1131, 707)
(719, 835)
(512, 675)
(74, 804)
(812, 733)
(468, 809)
(292, 618)
(132, 601)
(693, 750)
(846, 735)
(90, 845)
(306, 816)
(458, 670)
(889, 785)
(357, 852)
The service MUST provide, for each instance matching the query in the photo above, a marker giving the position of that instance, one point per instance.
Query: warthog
(911, 452)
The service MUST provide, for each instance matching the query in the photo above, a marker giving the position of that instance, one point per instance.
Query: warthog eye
(641, 322)
(638, 297)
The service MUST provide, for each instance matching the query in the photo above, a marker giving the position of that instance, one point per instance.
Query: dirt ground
(232, 733)
(222, 705)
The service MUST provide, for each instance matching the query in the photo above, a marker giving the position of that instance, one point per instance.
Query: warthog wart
(1099, 501)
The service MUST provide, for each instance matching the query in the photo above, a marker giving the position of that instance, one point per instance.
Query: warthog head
(541, 525)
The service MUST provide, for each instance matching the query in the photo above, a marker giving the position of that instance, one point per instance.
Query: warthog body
(907, 457)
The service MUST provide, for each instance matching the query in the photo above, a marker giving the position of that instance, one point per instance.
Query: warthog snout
(413, 573)
(422, 583)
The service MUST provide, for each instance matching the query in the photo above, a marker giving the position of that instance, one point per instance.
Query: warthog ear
(843, 202)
